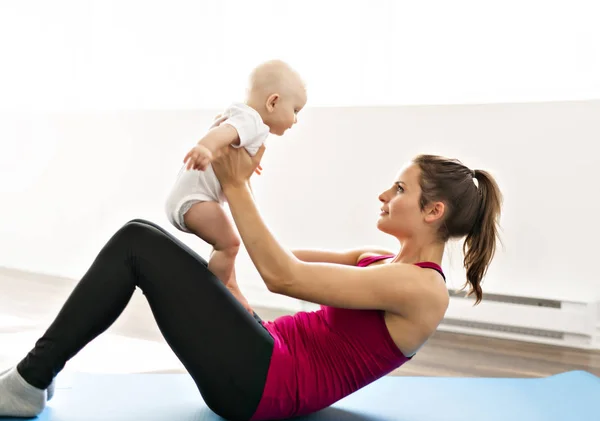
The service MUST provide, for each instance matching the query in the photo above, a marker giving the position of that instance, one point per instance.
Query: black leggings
(223, 347)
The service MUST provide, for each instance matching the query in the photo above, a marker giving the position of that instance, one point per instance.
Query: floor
(28, 303)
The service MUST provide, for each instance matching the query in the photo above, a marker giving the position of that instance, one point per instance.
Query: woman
(378, 308)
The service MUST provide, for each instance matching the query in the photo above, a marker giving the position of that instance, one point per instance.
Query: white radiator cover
(571, 323)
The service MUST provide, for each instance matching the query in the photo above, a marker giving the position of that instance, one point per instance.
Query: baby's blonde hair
(274, 76)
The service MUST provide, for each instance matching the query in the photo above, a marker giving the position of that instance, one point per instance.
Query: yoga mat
(570, 396)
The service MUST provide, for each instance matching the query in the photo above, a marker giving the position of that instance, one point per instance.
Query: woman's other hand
(234, 166)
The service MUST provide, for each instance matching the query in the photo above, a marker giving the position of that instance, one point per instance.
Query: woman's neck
(413, 252)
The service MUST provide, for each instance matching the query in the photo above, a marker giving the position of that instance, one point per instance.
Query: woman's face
(401, 214)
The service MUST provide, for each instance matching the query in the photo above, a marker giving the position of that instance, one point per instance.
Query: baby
(195, 204)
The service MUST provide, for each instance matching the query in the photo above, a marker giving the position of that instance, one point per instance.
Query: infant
(275, 96)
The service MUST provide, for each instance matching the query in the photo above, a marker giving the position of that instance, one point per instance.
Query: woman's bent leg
(225, 350)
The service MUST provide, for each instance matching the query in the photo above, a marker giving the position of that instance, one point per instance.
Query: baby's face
(285, 110)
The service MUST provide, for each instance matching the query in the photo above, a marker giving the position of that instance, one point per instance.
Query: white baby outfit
(192, 186)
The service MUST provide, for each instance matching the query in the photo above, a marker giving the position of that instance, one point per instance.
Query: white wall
(67, 181)
(189, 54)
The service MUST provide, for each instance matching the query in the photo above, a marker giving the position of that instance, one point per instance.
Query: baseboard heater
(555, 322)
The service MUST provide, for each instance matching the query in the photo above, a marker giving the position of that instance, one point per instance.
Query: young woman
(377, 307)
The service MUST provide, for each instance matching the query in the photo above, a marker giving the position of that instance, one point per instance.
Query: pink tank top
(322, 356)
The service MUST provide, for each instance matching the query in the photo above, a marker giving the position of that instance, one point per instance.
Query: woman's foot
(18, 398)
(50, 390)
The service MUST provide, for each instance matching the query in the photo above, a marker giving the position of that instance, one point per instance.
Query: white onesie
(192, 186)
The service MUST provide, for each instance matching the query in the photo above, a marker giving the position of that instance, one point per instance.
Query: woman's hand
(234, 166)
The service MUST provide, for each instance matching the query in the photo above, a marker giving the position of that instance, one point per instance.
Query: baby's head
(278, 93)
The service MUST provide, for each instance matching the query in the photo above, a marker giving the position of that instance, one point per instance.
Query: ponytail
(473, 202)
(480, 243)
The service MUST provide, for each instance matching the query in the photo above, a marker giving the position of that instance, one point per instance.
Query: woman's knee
(140, 222)
(134, 228)
(137, 231)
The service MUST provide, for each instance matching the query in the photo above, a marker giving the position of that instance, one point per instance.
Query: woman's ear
(434, 211)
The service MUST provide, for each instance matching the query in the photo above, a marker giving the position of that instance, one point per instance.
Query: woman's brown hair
(473, 203)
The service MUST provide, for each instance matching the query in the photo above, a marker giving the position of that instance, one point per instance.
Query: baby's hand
(198, 158)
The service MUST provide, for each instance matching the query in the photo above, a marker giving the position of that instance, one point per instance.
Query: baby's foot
(18, 398)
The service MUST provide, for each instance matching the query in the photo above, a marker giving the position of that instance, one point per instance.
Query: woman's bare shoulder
(370, 251)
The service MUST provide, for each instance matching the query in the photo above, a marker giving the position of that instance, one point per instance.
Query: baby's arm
(220, 137)
(200, 155)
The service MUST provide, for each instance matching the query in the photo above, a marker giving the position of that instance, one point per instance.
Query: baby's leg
(209, 221)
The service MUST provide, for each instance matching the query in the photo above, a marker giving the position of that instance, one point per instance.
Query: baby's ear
(272, 101)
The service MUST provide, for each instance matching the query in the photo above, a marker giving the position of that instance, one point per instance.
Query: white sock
(49, 391)
(18, 398)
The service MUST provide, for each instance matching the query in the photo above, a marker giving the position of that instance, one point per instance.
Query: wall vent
(555, 322)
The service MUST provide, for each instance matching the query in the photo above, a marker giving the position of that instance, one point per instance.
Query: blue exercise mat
(571, 396)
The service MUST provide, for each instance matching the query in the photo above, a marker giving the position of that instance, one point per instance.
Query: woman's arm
(385, 287)
(348, 257)
(343, 257)
(393, 287)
